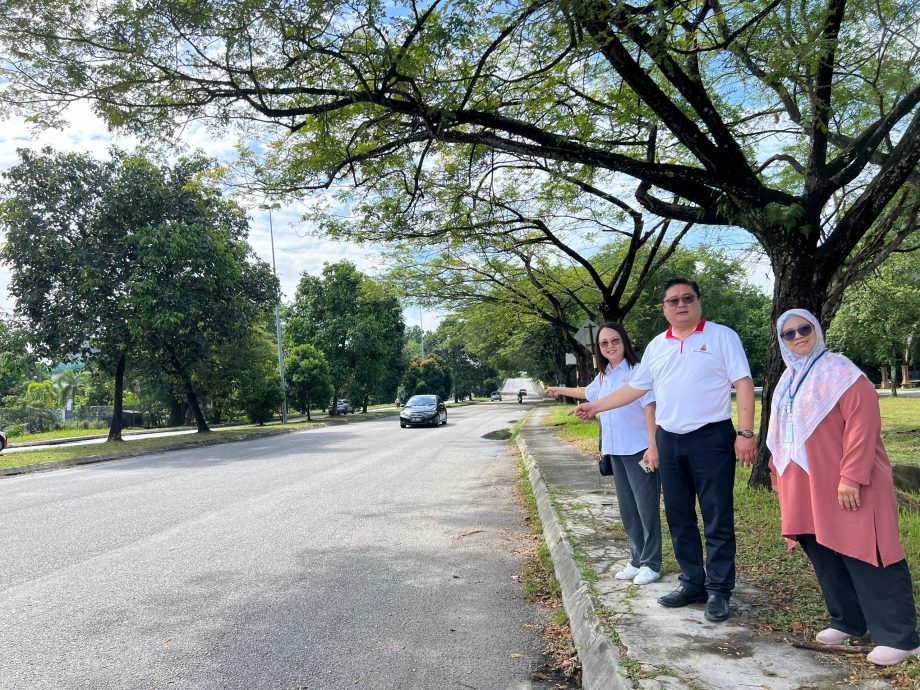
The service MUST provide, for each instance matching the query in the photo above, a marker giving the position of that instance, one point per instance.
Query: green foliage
(427, 376)
(471, 376)
(130, 257)
(356, 325)
(40, 394)
(308, 378)
(17, 363)
(878, 323)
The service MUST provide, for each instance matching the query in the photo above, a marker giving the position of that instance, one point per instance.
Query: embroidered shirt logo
(703, 348)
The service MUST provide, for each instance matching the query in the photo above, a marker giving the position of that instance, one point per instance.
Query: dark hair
(628, 353)
(679, 281)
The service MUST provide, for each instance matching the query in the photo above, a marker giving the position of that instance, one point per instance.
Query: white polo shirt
(692, 378)
(623, 430)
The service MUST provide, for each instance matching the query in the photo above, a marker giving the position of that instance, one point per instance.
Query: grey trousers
(639, 496)
(861, 596)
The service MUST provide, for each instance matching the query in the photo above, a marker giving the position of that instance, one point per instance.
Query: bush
(16, 429)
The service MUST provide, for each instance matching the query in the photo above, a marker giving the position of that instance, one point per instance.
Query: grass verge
(539, 584)
(138, 446)
(792, 603)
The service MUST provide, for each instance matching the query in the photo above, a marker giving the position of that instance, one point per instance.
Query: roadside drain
(498, 435)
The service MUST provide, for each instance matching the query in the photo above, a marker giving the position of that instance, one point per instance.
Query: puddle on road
(498, 435)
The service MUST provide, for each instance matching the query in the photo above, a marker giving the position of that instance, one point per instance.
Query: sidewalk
(618, 626)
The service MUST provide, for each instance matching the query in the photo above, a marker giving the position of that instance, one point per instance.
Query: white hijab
(827, 376)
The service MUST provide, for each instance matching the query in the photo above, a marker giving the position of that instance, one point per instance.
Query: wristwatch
(747, 433)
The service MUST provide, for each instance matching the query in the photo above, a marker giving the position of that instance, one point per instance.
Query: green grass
(80, 432)
(901, 429)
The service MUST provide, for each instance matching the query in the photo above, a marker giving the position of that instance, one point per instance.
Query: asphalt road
(357, 556)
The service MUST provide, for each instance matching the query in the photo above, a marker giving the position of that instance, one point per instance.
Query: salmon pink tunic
(846, 445)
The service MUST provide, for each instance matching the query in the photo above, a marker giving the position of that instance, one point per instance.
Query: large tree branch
(870, 204)
(597, 16)
(821, 95)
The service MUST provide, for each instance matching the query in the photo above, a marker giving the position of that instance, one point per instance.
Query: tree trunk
(115, 427)
(190, 394)
(794, 287)
(894, 374)
(196, 408)
(176, 412)
(216, 412)
(308, 413)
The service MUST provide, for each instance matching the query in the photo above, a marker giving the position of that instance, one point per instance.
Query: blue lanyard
(792, 393)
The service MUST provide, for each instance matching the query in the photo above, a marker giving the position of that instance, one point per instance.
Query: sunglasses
(613, 342)
(804, 330)
(686, 299)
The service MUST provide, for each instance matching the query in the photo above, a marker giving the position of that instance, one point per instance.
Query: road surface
(355, 556)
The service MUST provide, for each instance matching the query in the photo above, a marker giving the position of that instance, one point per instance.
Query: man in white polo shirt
(692, 367)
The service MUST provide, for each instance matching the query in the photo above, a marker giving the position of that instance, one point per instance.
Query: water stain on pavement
(498, 435)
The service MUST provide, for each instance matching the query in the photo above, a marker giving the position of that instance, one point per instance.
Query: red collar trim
(699, 329)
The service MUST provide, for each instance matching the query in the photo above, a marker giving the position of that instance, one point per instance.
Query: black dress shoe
(717, 609)
(681, 597)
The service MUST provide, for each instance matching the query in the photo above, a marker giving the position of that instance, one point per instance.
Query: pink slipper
(889, 656)
(832, 636)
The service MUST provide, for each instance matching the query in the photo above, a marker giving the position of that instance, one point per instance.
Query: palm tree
(69, 384)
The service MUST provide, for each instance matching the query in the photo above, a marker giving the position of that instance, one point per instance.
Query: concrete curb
(599, 656)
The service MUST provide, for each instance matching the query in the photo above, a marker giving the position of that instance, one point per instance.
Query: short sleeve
(593, 389)
(736, 363)
(647, 399)
(642, 379)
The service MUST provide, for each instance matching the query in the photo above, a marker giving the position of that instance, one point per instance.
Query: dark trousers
(639, 500)
(861, 596)
(701, 465)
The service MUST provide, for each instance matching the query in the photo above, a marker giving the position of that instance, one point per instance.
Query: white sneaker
(628, 573)
(832, 636)
(645, 575)
(889, 656)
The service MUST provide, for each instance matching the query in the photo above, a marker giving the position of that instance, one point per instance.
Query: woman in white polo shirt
(628, 440)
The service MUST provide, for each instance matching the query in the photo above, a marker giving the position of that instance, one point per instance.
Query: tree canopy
(356, 324)
(128, 258)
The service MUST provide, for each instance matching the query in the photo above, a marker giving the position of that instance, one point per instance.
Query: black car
(3, 441)
(423, 410)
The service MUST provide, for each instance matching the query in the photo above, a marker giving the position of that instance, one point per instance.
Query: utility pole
(271, 234)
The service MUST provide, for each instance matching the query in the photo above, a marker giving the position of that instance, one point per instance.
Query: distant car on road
(342, 406)
(3, 441)
(496, 396)
(423, 410)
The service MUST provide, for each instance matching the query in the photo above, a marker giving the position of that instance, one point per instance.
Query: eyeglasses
(613, 342)
(686, 299)
(804, 330)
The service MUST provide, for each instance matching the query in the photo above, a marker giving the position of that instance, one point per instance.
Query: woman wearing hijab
(836, 494)
(628, 441)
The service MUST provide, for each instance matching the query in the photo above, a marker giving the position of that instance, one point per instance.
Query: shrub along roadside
(793, 604)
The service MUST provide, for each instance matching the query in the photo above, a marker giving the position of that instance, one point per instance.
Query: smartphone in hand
(643, 463)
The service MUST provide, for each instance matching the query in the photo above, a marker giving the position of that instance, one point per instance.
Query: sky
(296, 252)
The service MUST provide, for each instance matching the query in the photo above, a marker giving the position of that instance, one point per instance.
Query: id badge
(787, 432)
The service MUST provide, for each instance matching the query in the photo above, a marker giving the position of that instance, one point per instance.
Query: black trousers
(700, 465)
(861, 596)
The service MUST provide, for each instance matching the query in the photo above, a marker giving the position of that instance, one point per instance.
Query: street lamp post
(271, 234)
